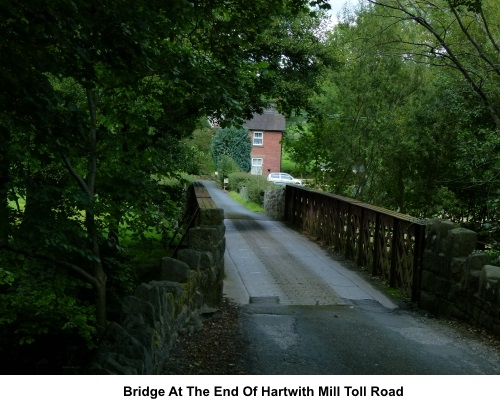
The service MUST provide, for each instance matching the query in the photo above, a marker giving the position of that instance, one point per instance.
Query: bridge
(307, 307)
(274, 263)
(308, 303)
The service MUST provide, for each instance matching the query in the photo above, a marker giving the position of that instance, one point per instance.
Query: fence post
(349, 237)
(361, 238)
(376, 246)
(418, 251)
(288, 199)
(394, 252)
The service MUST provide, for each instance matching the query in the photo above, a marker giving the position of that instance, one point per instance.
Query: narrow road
(305, 313)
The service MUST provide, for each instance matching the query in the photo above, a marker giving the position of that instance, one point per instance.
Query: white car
(282, 179)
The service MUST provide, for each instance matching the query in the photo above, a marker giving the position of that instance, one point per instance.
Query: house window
(257, 166)
(258, 138)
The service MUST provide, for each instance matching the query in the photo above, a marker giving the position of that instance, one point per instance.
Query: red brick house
(266, 131)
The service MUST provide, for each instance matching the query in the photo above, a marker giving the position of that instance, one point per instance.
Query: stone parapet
(457, 280)
(152, 318)
(274, 203)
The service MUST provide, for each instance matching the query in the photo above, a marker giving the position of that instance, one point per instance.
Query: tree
(462, 35)
(360, 112)
(460, 39)
(396, 130)
(198, 147)
(96, 98)
(233, 143)
(293, 52)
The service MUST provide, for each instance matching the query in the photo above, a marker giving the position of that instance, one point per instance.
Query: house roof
(270, 120)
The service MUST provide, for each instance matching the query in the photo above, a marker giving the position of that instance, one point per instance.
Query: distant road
(305, 313)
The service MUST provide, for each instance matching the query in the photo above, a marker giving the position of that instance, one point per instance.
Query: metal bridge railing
(387, 243)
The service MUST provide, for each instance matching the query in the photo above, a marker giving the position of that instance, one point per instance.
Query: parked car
(281, 179)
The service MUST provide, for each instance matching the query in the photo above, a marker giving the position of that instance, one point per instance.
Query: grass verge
(249, 205)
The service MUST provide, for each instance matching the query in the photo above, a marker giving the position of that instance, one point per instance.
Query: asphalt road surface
(303, 312)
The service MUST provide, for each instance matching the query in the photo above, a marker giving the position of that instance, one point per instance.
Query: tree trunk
(99, 274)
(4, 186)
(88, 187)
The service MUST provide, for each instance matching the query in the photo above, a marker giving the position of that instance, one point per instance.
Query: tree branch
(92, 163)
(477, 87)
(474, 43)
(85, 275)
(74, 174)
(486, 29)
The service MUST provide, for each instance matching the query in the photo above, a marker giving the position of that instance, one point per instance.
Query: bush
(256, 189)
(238, 180)
(232, 142)
(255, 186)
(46, 312)
(198, 149)
(227, 166)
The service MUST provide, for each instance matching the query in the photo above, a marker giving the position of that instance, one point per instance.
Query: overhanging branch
(74, 174)
(78, 270)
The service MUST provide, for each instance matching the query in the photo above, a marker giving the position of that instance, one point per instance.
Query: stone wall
(161, 309)
(274, 203)
(457, 280)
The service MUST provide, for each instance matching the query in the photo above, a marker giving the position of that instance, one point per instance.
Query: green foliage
(39, 301)
(249, 205)
(6, 278)
(238, 180)
(290, 166)
(299, 56)
(255, 186)
(96, 101)
(471, 5)
(231, 143)
(299, 148)
(256, 189)
(397, 130)
(227, 165)
(459, 34)
(198, 151)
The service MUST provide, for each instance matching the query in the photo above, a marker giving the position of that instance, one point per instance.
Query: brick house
(266, 131)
